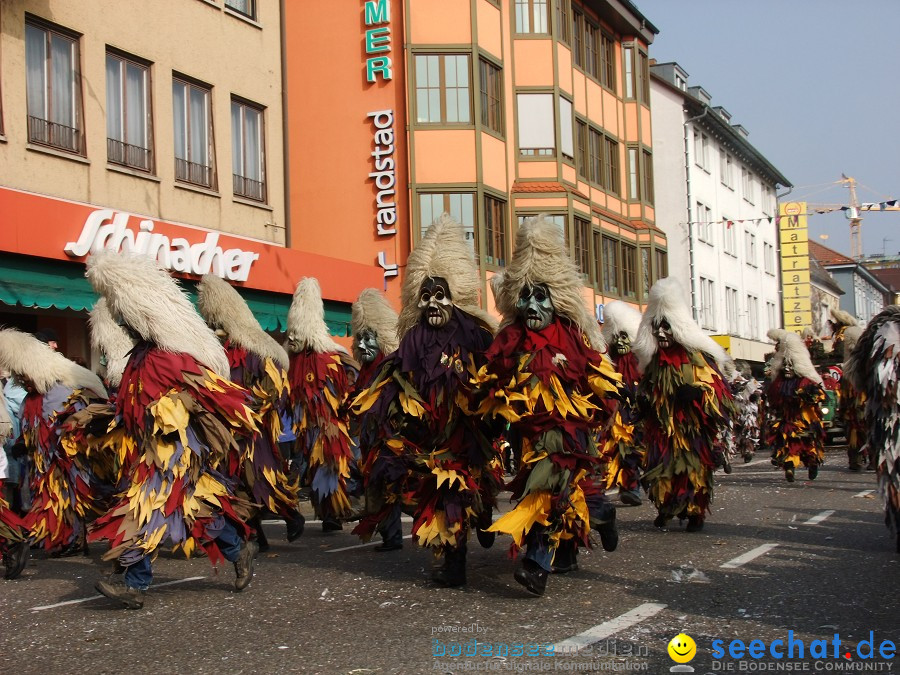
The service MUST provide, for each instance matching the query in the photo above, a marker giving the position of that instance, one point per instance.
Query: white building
(715, 200)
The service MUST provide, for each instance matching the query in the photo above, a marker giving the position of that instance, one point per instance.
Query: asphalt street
(811, 557)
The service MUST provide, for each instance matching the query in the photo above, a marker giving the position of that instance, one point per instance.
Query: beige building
(164, 126)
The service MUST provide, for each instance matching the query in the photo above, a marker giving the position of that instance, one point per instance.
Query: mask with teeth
(535, 307)
(787, 370)
(435, 302)
(622, 343)
(367, 343)
(663, 332)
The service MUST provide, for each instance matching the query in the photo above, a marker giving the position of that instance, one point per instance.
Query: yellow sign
(797, 319)
(794, 236)
(795, 285)
(789, 264)
(795, 277)
(794, 291)
(792, 248)
(797, 304)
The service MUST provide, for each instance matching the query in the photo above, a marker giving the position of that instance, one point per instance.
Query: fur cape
(542, 257)
(372, 310)
(223, 307)
(27, 357)
(667, 302)
(306, 320)
(153, 305)
(442, 252)
(791, 348)
(619, 316)
(842, 318)
(859, 366)
(111, 339)
(851, 338)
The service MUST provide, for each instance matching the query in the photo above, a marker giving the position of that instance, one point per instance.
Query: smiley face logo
(682, 648)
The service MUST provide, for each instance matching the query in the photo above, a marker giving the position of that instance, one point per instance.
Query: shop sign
(378, 40)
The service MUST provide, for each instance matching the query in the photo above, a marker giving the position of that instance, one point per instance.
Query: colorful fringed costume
(319, 388)
(13, 535)
(794, 399)
(853, 410)
(688, 405)
(746, 393)
(874, 369)
(64, 484)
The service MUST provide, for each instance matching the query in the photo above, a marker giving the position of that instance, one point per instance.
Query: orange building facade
(490, 110)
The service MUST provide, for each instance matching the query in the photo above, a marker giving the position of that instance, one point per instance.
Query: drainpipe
(687, 181)
(285, 146)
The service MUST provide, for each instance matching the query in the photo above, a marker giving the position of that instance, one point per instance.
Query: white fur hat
(306, 320)
(542, 257)
(842, 318)
(619, 316)
(153, 305)
(111, 339)
(372, 310)
(26, 356)
(442, 252)
(223, 307)
(851, 337)
(790, 348)
(667, 302)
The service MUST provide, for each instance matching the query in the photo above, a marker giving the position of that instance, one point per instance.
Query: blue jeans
(140, 574)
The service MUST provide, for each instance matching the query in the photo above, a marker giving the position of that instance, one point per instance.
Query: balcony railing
(54, 135)
(249, 188)
(132, 156)
(198, 174)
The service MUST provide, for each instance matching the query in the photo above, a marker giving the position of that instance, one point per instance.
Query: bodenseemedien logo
(682, 649)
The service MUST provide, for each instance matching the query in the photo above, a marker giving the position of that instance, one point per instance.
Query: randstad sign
(107, 229)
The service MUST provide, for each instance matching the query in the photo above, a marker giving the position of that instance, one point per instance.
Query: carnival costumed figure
(746, 390)
(687, 402)
(317, 376)
(852, 409)
(546, 377)
(425, 394)
(181, 417)
(840, 321)
(385, 475)
(625, 458)
(794, 401)
(874, 370)
(64, 485)
(259, 364)
(13, 535)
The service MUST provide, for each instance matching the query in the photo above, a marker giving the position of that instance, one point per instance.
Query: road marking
(747, 557)
(741, 474)
(578, 642)
(349, 548)
(98, 595)
(754, 462)
(815, 520)
(403, 519)
(864, 493)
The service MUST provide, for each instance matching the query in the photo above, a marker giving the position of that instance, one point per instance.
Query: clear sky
(815, 82)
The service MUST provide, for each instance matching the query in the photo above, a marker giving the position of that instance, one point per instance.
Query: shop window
(491, 97)
(245, 7)
(193, 131)
(459, 205)
(53, 87)
(129, 119)
(629, 271)
(537, 135)
(443, 94)
(531, 16)
(248, 151)
(494, 231)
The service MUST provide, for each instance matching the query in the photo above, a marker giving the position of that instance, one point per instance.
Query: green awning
(41, 283)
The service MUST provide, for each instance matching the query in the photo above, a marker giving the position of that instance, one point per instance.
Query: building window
(731, 310)
(701, 150)
(707, 304)
(610, 264)
(491, 97)
(770, 314)
(611, 156)
(629, 271)
(726, 169)
(628, 64)
(645, 270)
(596, 156)
(459, 205)
(537, 135)
(248, 142)
(581, 138)
(747, 185)
(53, 87)
(566, 131)
(245, 7)
(647, 176)
(494, 232)
(129, 137)
(531, 16)
(704, 223)
(562, 20)
(769, 258)
(634, 175)
(662, 265)
(442, 89)
(750, 247)
(729, 236)
(607, 61)
(637, 73)
(753, 316)
(582, 246)
(193, 129)
(578, 38)
(591, 57)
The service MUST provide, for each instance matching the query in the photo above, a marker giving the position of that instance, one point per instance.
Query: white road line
(864, 493)
(604, 630)
(349, 548)
(403, 519)
(741, 474)
(754, 462)
(94, 597)
(747, 557)
(815, 520)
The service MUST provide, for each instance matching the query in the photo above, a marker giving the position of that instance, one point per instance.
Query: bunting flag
(887, 205)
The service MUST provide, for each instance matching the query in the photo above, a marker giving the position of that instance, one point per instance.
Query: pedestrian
(13, 535)
(181, 413)
(259, 364)
(547, 378)
(687, 404)
(794, 401)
